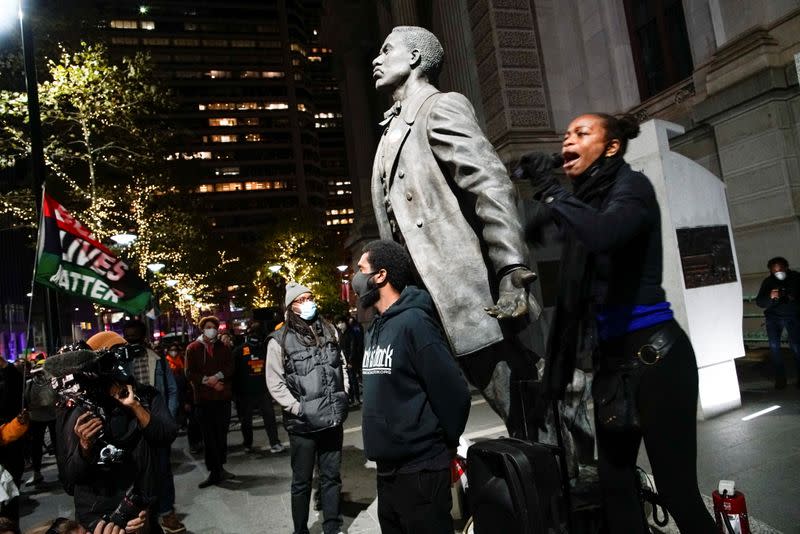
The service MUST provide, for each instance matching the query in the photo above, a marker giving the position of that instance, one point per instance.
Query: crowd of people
(112, 440)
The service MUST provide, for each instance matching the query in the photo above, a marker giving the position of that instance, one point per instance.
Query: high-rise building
(329, 124)
(256, 96)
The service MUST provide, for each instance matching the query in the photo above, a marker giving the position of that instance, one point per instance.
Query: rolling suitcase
(515, 488)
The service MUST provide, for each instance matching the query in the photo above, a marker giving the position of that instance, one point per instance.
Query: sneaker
(35, 480)
(227, 475)
(278, 447)
(171, 524)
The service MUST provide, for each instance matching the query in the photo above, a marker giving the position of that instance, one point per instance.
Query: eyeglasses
(301, 300)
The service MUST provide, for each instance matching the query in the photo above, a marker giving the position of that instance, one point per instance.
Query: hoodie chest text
(377, 360)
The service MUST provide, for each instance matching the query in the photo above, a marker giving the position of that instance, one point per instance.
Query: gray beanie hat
(293, 290)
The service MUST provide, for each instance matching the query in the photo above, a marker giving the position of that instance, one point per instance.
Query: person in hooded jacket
(306, 376)
(40, 398)
(137, 421)
(611, 303)
(416, 400)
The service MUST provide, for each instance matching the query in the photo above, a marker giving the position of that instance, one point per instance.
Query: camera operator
(779, 295)
(108, 441)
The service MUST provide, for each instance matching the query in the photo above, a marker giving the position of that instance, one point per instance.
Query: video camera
(82, 378)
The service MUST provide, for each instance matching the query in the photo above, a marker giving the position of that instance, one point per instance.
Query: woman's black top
(623, 234)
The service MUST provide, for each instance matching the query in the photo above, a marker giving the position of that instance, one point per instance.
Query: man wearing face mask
(416, 401)
(209, 370)
(250, 388)
(305, 375)
(779, 296)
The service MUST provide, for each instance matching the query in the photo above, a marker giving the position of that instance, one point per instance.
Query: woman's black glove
(537, 168)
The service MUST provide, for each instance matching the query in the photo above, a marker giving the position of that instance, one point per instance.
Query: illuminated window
(301, 107)
(250, 74)
(296, 62)
(221, 138)
(124, 24)
(213, 74)
(272, 74)
(252, 137)
(298, 48)
(186, 42)
(205, 188)
(222, 122)
(230, 186)
(148, 25)
(250, 121)
(216, 106)
(215, 42)
(243, 43)
(227, 171)
(314, 59)
(202, 155)
(244, 106)
(125, 40)
(155, 41)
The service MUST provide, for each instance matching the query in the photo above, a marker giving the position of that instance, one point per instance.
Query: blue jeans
(775, 326)
(323, 448)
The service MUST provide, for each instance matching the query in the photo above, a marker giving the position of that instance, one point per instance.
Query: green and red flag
(71, 259)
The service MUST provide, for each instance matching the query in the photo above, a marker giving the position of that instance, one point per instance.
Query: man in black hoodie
(416, 401)
(780, 297)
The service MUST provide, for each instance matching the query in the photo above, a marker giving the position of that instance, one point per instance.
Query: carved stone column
(511, 76)
(460, 74)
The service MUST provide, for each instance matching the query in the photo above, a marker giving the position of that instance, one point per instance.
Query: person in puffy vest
(306, 376)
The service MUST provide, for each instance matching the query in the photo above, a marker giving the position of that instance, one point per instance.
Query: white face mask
(308, 310)
(173, 353)
(780, 275)
(210, 333)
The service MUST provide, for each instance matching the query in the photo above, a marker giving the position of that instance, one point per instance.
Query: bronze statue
(439, 188)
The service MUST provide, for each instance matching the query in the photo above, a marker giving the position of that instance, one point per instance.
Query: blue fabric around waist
(618, 321)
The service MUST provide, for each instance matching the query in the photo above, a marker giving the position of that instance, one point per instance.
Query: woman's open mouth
(570, 158)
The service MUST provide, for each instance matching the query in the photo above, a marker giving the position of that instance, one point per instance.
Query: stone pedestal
(701, 274)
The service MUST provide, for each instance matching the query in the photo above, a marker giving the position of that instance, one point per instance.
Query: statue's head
(407, 51)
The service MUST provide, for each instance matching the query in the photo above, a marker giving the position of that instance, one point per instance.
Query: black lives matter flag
(71, 259)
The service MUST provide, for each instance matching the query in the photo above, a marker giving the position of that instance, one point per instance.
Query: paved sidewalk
(762, 455)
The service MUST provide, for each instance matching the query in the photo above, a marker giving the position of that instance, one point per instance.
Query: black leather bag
(616, 383)
(515, 487)
(614, 392)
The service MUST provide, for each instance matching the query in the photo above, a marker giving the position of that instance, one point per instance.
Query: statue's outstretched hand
(515, 300)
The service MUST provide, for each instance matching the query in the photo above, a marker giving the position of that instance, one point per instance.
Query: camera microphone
(67, 363)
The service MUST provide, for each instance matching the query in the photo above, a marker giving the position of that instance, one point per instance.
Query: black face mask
(366, 289)
(256, 337)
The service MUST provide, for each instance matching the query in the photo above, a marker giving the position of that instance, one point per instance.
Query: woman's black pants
(667, 402)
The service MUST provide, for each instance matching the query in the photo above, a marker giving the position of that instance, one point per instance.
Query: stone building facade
(724, 69)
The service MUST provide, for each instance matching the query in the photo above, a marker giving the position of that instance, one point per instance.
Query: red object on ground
(735, 507)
